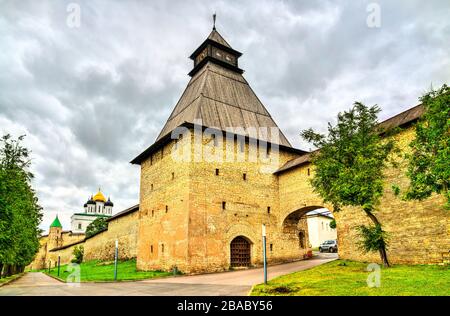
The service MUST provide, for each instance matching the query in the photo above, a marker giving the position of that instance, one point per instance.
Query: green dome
(56, 223)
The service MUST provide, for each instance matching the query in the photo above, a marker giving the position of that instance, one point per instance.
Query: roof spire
(214, 21)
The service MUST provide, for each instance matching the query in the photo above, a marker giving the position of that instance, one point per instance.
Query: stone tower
(207, 182)
(55, 234)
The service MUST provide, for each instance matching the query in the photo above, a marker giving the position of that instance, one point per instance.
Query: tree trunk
(382, 250)
(1, 270)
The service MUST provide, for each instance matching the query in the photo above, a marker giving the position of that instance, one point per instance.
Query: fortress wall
(419, 232)
(39, 261)
(69, 238)
(99, 247)
(163, 211)
(66, 255)
(247, 201)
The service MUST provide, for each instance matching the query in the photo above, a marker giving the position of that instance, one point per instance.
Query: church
(221, 168)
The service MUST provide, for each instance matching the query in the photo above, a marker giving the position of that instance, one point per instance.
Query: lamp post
(264, 252)
(59, 264)
(116, 254)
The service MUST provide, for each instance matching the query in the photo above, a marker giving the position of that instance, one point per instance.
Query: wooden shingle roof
(216, 37)
(221, 99)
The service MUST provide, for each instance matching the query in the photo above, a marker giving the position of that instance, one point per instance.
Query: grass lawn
(104, 271)
(348, 278)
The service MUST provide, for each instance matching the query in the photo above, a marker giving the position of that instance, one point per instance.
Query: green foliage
(429, 162)
(350, 162)
(373, 238)
(20, 214)
(98, 225)
(351, 159)
(333, 224)
(78, 253)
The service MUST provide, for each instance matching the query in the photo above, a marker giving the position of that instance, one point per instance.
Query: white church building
(96, 206)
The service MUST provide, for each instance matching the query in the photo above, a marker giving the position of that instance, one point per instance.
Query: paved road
(217, 284)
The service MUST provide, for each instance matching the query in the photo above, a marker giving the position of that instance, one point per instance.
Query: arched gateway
(240, 252)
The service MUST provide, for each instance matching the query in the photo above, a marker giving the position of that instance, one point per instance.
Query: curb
(53, 277)
(251, 290)
(103, 282)
(18, 276)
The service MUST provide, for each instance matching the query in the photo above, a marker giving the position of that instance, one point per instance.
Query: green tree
(333, 224)
(98, 225)
(429, 162)
(20, 213)
(349, 168)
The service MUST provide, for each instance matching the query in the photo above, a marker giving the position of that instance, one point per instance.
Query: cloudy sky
(90, 98)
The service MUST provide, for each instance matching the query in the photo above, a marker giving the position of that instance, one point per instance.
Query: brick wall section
(101, 246)
(66, 255)
(419, 231)
(196, 232)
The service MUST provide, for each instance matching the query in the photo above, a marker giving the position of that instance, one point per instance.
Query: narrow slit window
(151, 249)
(217, 172)
(167, 208)
(173, 175)
(271, 247)
(244, 176)
(268, 210)
(309, 172)
(242, 146)
(224, 205)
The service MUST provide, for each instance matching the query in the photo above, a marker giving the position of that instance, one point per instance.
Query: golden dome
(99, 197)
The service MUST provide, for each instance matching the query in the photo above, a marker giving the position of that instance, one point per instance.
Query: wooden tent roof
(218, 97)
(216, 37)
(221, 99)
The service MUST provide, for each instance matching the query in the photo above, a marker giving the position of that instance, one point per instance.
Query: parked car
(329, 245)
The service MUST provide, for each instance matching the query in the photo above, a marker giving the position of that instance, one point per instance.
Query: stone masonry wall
(419, 231)
(101, 246)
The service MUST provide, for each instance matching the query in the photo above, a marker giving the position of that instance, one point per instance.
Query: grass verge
(349, 278)
(98, 271)
(4, 281)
